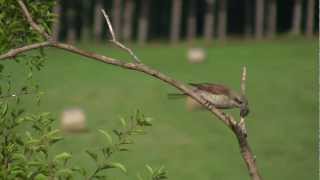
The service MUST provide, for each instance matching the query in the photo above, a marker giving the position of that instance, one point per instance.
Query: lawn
(282, 92)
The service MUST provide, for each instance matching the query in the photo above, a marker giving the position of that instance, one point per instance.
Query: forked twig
(115, 41)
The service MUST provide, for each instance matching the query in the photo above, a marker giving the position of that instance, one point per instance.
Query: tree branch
(114, 40)
(14, 52)
(29, 18)
(228, 120)
(243, 91)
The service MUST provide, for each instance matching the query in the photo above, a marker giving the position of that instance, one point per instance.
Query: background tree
(116, 16)
(176, 11)
(57, 24)
(209, 20)
(71, 19)
(98, 20)
(310, 17)
(129, 7)
(85, 18)
(259, 19)
(143, 22)
(256, 17)
(248, 18)
(192, 21)
(222, 19)
(296, 18)
(272, 18)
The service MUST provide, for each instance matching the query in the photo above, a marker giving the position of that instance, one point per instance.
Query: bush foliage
(26, 139)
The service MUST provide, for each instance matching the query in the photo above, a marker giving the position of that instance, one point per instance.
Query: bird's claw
(208, 104)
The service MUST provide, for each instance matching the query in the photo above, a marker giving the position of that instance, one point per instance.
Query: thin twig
(243, 87)
(243, 80)
(115, 41)
(109, 24)
(243, 91)
(33, 24)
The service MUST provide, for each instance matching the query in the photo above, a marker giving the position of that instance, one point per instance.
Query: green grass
(282, 92)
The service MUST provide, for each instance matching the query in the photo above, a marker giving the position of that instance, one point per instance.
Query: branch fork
(238, 128)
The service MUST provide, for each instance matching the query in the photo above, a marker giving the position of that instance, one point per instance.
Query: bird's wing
(212, 88)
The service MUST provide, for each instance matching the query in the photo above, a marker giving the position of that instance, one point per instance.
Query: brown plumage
(212, 88)
(220, 96)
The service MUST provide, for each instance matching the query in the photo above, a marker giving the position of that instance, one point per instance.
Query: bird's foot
(208, 104)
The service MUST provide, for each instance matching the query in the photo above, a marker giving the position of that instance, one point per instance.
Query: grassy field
(282, 92)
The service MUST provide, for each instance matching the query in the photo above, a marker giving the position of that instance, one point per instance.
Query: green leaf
(4, 110)
(55, 139)
(107, 135)
(149, 168)
(139, 176)
(93, 155)
(123, 122)
(65, 172)
(29, 135)
(119, 166)
(63, 156)
(1, 68)
(53, 133)
(81, 170)
(35, 164)
(19, 156)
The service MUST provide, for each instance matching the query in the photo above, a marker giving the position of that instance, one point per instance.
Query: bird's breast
(219, 101)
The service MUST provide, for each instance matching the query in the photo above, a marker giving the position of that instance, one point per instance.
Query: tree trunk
(192, 21)
(116, 18)
(56, 25)
(259, 21)
(98, 20)
(175, 20)
(310, 18)
(71, 31)
(209, 20)
(296, 18)
(143, 22)
(248, 18)
(128, 16)
(222, 20)
(272, 18)
(85, 30)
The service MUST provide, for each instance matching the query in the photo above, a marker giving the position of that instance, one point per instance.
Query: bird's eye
(238, 100)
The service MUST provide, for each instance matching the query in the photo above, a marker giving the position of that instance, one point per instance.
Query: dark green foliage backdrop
(160, 15)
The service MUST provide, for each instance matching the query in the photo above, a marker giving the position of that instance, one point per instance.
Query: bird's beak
(244, 111)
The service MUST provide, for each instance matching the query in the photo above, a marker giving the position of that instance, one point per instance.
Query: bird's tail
(175, 95)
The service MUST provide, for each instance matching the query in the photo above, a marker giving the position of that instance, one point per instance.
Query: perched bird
(220, 97)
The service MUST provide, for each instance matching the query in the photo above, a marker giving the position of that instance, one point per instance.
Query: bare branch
(228, 120)
(14, 52)
(33, 24)
(109, 24)
(114, 40)
(243, 91)
(243, 80)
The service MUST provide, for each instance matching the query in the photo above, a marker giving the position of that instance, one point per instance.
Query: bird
(219, 96)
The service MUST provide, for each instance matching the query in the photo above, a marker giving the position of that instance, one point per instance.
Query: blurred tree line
(141, 20)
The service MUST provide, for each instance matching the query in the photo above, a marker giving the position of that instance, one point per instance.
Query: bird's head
(242, 102)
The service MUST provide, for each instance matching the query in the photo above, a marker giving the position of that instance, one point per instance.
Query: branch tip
(114, 40)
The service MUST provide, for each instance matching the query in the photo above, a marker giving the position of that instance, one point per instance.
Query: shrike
(220, 96)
